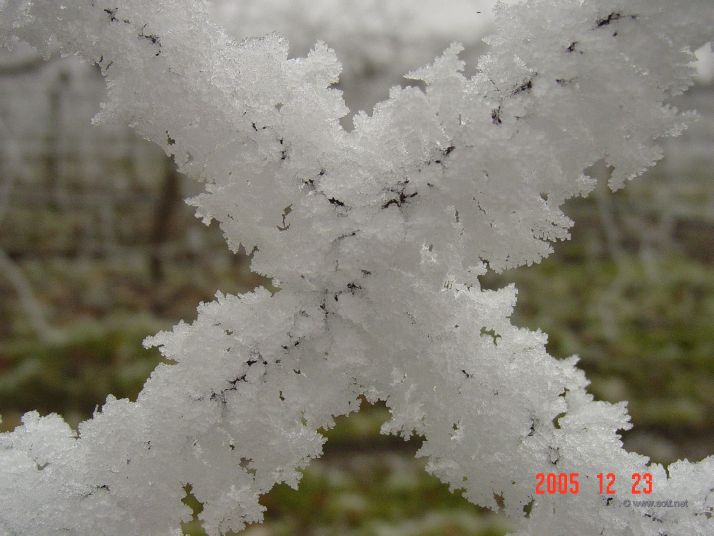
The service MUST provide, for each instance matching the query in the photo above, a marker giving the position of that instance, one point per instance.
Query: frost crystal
(377, 237)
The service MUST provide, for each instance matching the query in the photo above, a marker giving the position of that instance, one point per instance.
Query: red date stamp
(569, 483)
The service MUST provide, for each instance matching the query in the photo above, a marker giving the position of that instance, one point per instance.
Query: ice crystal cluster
(377, 41)
(376, 238)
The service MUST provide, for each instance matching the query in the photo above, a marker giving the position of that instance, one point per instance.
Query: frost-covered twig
(376, 238)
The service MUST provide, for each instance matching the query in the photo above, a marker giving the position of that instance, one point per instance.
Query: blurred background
(98, 250)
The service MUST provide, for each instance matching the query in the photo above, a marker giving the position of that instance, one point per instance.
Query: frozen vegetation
(376, 237)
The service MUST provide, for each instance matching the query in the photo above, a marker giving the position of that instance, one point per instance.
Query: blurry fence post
(51, 148)
(164, 219)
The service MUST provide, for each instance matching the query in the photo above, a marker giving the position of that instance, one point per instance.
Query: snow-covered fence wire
(98, 172)
(376, 238)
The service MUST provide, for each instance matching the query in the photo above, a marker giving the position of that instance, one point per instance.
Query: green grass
(74, 375)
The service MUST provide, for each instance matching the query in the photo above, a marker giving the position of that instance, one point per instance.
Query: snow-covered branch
(376, 237)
